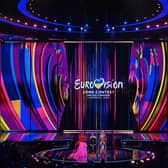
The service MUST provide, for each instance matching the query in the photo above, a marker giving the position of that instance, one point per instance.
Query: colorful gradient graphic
(37, 86)
(148, 71)
(34, 85)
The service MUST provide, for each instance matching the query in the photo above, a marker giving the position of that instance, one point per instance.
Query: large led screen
(84, 85)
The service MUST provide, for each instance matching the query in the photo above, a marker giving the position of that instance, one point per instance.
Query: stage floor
(71, 149)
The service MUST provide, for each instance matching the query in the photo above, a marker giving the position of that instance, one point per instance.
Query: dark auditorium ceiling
(85, 19)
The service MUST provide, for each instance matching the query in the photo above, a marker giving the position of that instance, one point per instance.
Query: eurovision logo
(98, 84)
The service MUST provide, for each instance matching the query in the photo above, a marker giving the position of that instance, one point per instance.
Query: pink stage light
(44, 26)
(148, 26)
(35, 25)
(165, 23)
(25, 23)
(18, 21)
(157, 25)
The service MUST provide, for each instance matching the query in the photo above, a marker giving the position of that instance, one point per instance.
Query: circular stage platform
(77, 153)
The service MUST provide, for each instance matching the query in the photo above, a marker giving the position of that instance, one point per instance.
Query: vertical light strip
(96, 78)
(72, 87)
(115, 89)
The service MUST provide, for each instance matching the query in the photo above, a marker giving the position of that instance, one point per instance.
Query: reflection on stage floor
(83, 148)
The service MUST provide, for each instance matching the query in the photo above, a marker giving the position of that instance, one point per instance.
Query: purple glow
(157, 25)
(35, 25)
(44, 26)
(25, 23)
(148, 26)
(165, 23)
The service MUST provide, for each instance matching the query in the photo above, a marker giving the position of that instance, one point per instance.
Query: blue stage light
(85, 30)
(108, 29)
(137, 20)
(56, 29)
(136, 28)
(68, 23)
(107, 25)
(69, 29)
(123, 29)
(125, 22)
(86, 25)
(55, 20)
(81, 28)
(113, 28)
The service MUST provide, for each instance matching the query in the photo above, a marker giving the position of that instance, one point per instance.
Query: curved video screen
(83, 85)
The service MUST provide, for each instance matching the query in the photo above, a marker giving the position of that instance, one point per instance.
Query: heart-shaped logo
(99, 83)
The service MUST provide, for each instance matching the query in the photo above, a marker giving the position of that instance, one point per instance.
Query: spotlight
(38, 14)
(125, 22)
(5, 17)
(11, 19)
(137, 20)
(69, 29)
(86, 25)
(157, 25)
(142, 161)
(35, 25)
(56, 29)
(44, 26)
(81, 28)
(145, 17)
(132, 161)
(85, 30)
(123, 29)
(108, 29)
(55, 20)
(147, 26)
(18, 21)
(107, 25)
(136, 28)
(46, 18)
(148, 152)
(148, 159)
(25, 23)
(165, 23)
(68, 23)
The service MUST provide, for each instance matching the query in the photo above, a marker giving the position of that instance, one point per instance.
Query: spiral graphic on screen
(34, 85)
(148, 72)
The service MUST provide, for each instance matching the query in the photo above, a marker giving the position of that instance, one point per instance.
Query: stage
(52, 149)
